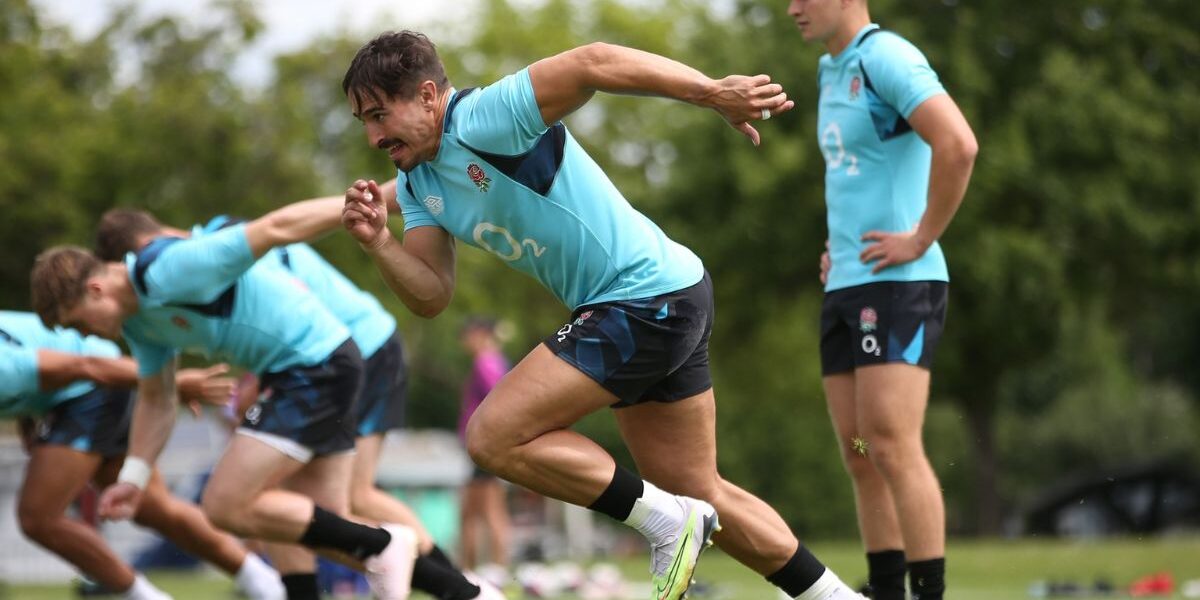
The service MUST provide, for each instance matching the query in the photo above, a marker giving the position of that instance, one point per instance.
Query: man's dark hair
(119, 231)
(394, 64)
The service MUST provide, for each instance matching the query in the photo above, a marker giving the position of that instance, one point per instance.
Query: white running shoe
(487, 591)
(673, 558)
(389, 573)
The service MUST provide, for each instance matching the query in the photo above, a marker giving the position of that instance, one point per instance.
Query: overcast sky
(290, 24)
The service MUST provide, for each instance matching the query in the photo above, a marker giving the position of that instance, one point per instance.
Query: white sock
(656, 514)
(828, 587)
(142, 589)
(258, 580)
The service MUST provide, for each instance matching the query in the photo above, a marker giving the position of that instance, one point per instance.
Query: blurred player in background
(381, 403)
(483, 498)
(285, 475)
(78, 389)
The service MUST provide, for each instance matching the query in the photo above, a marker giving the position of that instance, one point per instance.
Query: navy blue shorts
(882, 322)
(96, 422)
(652, 349)
(309, 411)
(381, 405)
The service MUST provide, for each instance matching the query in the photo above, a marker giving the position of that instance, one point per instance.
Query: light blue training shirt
(876, 166)
(209, 296)
(526, 192)
(370, 324)
(22, 335)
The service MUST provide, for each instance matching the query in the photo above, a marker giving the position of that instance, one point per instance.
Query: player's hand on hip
(891, 249)
(826, 264)
(741, 99)
(120, 501)
(365, 214)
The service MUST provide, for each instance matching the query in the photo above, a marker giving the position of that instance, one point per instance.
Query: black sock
(444, 583)
(799, 574)
(327, 530)
(440, 557)
(885, 574)
(927, 578)
(618, 498)
(301, 586)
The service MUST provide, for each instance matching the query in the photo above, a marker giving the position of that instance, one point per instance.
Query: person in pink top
(483, 499)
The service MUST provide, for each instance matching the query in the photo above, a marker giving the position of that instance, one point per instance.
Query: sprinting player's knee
(855, 458)
(485, 443)
(223, 510)
(892, 456)
(36, 523)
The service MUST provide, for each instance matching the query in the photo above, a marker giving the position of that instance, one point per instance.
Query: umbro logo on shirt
(434, 205)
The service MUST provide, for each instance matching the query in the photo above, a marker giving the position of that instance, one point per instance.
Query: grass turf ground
(979, 570)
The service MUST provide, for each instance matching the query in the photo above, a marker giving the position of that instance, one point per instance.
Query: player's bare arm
(296, 222)
(420, 270)
(565, 82)
(153, 421)
(57, 369)
(942, 125)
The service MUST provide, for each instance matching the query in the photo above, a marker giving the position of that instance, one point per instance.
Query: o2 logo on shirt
(515, 249)
(835, 151)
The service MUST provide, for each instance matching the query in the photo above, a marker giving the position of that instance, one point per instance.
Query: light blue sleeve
(150, 358)
(900, 73)
(95, 346)
(200, 269)
(415, 214)
(502, 118)
(18, 371)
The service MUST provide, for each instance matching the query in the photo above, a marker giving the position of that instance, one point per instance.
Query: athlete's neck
(443, 104)
(122, 287)
(851, 25)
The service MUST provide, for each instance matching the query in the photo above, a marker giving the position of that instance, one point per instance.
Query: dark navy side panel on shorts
(882, 322)
(312, 406)
(382, 403)
(652, 349)
(96, 422)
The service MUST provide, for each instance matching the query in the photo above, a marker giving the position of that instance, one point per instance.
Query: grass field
(979, 570)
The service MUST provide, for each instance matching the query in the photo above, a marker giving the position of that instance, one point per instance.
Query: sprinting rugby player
(898, 156)
(496, 168)
(78, 390)
(380, 406)
(285, 476)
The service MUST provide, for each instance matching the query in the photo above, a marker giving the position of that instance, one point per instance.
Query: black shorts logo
(868, 322)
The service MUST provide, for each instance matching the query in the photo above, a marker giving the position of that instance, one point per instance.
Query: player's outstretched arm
(153, 421)
(57, 369)
(296, 222)
(420, 271)
(565, 82)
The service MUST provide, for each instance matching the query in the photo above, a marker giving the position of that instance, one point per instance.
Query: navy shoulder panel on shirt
(221, 307)
(887, 128)
(536, 168)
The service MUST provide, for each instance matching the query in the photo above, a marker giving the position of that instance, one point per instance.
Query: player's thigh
(841, 402)
(542, 393)
(366, 460)
(674, 443)
(247, 468)
(54, 476)
(891, 400)
(326, 480)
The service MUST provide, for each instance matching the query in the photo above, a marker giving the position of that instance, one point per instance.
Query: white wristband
(135, 471)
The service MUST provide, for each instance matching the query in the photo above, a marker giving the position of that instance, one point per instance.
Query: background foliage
(1075, 260)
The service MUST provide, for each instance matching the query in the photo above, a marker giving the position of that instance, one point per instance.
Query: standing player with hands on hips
(496, 168)
(898, 155)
